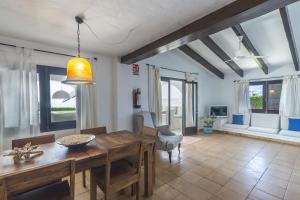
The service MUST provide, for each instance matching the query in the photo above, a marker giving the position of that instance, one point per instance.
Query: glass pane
(63, 100)
(190, 100)
(165, 102)
(256, 97)
(176, 106)
(274, 96)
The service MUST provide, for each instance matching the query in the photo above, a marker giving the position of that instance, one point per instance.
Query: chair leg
(137, 191)
(170, 156)
(133, 190)
(179, 146)
(84, 179)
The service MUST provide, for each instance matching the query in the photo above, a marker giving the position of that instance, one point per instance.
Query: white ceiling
(121, 25)
(266, 34)
(210, 56)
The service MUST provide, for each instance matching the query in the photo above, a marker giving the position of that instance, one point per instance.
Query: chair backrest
(36, 177)
(265, 120)
(94, 131)
(42, 139)
(122, 152)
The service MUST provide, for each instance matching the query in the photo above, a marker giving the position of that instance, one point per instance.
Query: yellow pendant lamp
(79, 70)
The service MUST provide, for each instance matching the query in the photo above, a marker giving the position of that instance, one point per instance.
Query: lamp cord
(78, 39)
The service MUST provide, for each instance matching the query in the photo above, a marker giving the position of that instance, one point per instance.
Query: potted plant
(208, 123)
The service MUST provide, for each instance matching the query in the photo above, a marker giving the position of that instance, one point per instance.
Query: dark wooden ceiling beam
(250, 48)
(226, 17)
(222, 55)
(195, 56)
(290, 37)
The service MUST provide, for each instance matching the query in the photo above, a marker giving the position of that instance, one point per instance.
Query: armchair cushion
(294, 124)
(263, 130)
(265, 120)
(238, 119)
(168, 143)
(165, 130)
(290, 133)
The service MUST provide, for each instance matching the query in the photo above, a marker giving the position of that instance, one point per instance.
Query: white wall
(207, 84)
(102, 75)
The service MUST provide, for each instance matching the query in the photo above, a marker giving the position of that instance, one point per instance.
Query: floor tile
(227, 194)
(221, 167)
(260, 195)
(208, 185)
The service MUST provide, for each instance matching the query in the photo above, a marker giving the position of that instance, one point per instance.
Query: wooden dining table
(92, 155)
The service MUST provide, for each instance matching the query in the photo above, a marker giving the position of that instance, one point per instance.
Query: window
(265, 96)
(57, 101)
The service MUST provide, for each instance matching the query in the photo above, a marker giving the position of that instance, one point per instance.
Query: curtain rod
(175, 70)
(261, 79)
(44, 51)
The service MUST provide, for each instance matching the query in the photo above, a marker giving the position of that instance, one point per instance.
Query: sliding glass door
(179, 105)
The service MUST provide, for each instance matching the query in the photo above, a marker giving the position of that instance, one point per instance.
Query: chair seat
(54, 191)
(263, 130)
(290, 133)
(236, 126)
(121, 172)
(168, 143)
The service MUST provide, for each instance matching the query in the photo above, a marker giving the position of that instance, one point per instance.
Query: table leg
(148, 173)
(154, 167)
(93, 188)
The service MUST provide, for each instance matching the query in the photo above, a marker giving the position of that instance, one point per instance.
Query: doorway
(179, 105)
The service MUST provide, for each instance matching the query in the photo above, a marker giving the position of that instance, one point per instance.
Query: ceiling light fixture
(79, 70)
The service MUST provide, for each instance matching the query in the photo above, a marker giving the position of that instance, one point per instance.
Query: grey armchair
(167, 140)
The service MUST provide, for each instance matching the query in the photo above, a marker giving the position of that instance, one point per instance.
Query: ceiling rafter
(226, 17)
(222, 55)
(195, 56)
(250, 48)
(289, 34)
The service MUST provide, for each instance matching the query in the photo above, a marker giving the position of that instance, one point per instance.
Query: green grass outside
(256, 102)
(63, 110)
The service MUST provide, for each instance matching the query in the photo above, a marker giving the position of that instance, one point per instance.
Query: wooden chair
(3, 195)
(152, 132)
(118, 174)
(93, 131)
(42, 139)
(40, 183)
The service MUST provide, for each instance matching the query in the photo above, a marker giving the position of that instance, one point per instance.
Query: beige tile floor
(223, 167)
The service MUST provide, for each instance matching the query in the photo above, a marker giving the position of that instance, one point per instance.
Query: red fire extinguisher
(137, 98)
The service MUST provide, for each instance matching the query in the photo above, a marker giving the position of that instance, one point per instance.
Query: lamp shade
(79, 72)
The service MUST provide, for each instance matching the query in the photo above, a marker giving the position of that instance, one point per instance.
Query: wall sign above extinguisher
(135, 69)
(137, 98)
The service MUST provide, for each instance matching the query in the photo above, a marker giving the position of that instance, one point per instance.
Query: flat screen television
(218, 111)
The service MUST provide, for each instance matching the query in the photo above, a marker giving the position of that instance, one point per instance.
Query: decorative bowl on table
(75, 141)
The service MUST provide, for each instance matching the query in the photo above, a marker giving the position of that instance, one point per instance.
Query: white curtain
(290, 97)
(189, 101)
(86, 105)
(154, 92)
(242, 99)
(19, 113)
